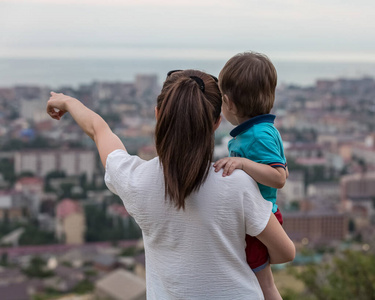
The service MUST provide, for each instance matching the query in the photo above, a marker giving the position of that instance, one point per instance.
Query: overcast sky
(283, 29)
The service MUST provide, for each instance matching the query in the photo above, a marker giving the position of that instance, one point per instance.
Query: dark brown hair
(249, 80)
(184, 132)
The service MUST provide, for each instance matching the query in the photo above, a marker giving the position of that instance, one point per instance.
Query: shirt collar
(267, 118)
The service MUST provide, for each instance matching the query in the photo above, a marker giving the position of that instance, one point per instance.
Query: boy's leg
(267, 284)
(257, 258)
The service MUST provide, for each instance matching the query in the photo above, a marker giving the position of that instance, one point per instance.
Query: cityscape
(64, 235)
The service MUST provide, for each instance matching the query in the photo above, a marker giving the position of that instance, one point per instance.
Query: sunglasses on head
(174, 71)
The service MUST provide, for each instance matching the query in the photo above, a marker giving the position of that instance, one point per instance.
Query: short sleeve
(266, 149)
(257, 210)
(120, 172)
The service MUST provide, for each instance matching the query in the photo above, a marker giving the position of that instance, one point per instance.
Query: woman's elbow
(284, 255)
(290, 252)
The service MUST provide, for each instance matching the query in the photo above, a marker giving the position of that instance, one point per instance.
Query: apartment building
(42, 162)
(316, 226)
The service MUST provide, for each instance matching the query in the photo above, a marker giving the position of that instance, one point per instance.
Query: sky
(201, 29)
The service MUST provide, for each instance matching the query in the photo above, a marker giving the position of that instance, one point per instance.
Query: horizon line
(178, 54)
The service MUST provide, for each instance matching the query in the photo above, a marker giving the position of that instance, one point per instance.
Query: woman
(193, 220)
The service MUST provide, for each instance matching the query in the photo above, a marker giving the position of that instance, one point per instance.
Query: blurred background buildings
(63, 235)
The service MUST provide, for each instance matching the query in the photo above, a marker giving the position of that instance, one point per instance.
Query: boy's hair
(249, 80)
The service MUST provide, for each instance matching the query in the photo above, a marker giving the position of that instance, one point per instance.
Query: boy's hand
(57, 105)
(229, 164)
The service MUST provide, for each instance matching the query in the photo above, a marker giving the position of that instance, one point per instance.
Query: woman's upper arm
(106, 142)
(280, 248)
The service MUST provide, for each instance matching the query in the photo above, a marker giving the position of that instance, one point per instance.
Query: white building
(42, 162)
(70, 222)
(146, 84)
(34, 110)
(294, 188)
(324, 190)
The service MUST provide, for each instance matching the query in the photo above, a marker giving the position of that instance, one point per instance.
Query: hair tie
(199, 81)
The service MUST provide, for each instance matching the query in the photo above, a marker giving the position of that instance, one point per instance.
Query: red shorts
(256, 252)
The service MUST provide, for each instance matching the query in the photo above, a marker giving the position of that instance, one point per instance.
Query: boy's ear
(225, 99)
(156, 113)
(230, 104)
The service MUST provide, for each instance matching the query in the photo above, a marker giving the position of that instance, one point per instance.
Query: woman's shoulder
(238, 180)
(122, 167)
(119, 156)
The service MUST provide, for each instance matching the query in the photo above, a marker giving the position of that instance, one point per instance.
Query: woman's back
(193, 220)
(199, 252)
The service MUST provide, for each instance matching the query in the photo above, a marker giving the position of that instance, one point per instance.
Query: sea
(59, 72)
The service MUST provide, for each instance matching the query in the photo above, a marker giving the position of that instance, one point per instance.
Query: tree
(7, 169)
(101, 227)
(351, 226)
(66, 190)
(4, 259)
(25, 174)
(13, 144)
(351, 275)
(83, 287)
(37, 268)
(35, 236)
(52, 175)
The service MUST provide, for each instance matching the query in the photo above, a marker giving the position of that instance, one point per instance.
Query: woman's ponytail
(184, 132)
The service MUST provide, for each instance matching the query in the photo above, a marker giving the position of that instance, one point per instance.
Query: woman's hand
(57, 105)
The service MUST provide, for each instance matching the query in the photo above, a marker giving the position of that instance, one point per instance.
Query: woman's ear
(217, 123)
(156, 113)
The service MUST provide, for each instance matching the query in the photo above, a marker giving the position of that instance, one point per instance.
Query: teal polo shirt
(257, 139)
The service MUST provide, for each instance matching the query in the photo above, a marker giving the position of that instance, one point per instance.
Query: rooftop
(67, 207)
(121, 284)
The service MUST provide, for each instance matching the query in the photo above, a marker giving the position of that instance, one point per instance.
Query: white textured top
(199, 252)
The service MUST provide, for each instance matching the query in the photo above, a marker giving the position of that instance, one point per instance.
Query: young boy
(248, 83)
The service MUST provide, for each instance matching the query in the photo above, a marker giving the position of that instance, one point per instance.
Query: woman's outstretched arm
(90, 122)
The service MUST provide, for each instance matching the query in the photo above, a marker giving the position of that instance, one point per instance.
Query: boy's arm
(261, 173)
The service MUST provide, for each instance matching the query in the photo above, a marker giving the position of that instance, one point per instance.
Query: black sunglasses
(174, 71)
